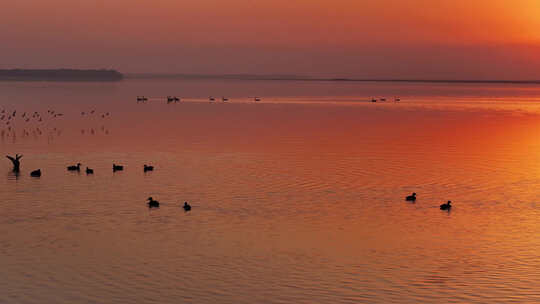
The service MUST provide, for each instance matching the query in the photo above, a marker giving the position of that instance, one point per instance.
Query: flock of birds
(8, 117)
(396, 99)
(175, 99)
(37, 173)
(151, 202)
(445, 206)
(36, 124)
(77, 167)
(171, 99)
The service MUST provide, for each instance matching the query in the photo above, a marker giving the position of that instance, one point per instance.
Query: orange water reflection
(291, 202)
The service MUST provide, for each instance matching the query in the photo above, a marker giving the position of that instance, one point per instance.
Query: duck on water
(116, 167)
(152, 203)
(446, 206)
(36, 173)
(74, 168)
(187, 207)
(411, 197)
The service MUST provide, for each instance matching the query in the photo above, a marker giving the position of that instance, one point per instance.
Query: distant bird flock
(35, 122)
(150, 201)
(39, 123)
(383, 99)
(174, 99)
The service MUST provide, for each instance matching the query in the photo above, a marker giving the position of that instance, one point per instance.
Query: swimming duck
(117, 167)
(148, 168)
(411, 197)
(74, 168)
(186, 206)
(152, 203)
(36, 173)
(446, 206)
(89, 171)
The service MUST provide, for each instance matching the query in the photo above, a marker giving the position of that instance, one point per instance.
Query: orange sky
(379, 38)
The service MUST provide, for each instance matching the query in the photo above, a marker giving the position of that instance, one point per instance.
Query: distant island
(60, 75)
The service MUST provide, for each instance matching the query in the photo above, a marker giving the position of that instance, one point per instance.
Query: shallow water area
(296, 198)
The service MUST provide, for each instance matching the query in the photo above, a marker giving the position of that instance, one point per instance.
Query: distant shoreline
(308, 78)
(59, 75)
(104, 75)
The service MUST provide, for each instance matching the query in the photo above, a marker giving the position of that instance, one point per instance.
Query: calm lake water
(298, 198)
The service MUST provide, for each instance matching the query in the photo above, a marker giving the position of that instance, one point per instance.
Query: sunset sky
(458, 39)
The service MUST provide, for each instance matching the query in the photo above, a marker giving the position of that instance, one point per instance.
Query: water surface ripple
(296, 199)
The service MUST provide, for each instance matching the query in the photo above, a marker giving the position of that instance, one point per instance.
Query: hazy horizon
(360, 39)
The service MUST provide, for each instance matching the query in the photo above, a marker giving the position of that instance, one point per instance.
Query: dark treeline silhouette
(60, 75)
